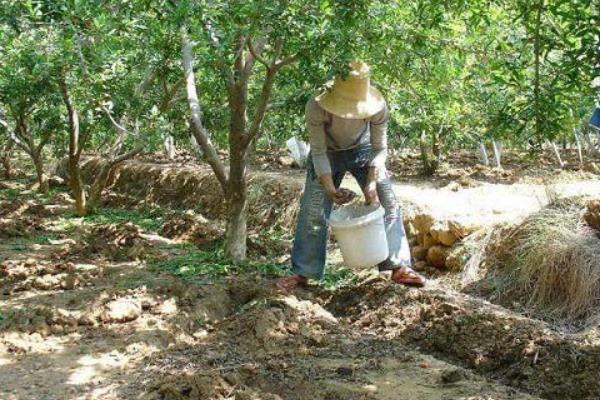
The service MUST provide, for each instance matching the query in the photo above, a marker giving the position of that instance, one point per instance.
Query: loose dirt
(86, 314)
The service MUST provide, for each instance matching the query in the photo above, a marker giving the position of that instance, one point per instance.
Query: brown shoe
(288, 284)
(407, 276)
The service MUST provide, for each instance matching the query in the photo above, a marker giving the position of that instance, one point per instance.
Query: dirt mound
(20, 219)
(192, 227)
(280, 325)
(210, 386)
(503, 345)
(12, 208)
(18, 276)
(117, 242)
(273, 198)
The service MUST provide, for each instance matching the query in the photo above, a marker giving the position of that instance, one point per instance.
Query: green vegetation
(205, 266)
(119, 78)
(149, 220)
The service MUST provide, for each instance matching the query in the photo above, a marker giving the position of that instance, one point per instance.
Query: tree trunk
(6, 160)
(39, 170)
(425, 156)
(169, 145)
(557, 154)
(197, 128)
(591, 148)
(537, 49)
(497, 153)
(97, 187)
(579, 149)
(237, 209)
(75, 182)
(236, 235)
(483, 156)
(76, 185)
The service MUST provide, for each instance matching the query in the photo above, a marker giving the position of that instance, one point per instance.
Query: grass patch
(150, 220)
(17, 193)
(11, 194)
(24, 243)
(212, 264)
(336, 278)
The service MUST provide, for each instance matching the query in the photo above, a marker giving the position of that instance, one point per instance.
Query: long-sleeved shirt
(330, 132)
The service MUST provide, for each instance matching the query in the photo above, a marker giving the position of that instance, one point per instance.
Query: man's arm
(378, 126)
(315, 124)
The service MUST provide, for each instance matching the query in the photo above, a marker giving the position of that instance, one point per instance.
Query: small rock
(169, 307)
(453, 376)
(200, 334)
(420, 266)
(57, 329)
(419, 253)
(344, 371)
(437, 255)
(592, 214)
(70, 282)
(86, 320)
(423, 222)
(121, 310)
(446, 238)
(460, 230)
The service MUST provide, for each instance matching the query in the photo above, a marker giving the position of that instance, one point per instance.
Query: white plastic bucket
(360, 232)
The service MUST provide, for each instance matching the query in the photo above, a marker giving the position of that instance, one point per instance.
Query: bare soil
(85, 313)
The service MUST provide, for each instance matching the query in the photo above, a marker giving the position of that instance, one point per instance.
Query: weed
(211, 265)
(336, 278)
(147, 220)
(11, 194)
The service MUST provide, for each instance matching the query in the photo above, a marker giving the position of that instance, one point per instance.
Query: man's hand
(338, 196)
(341, 196)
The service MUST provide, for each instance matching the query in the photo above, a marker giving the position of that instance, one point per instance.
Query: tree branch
(170, 95)
(118, 127)
(288, 60)
(255, 54)
(198, 130)
(213, 39)
(73, 119)
(143, 86)
(239, 62)
(126, 156)
(261, 107)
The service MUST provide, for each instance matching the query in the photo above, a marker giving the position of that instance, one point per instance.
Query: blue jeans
(310, 243)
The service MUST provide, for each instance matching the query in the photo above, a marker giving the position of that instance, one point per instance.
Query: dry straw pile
(549, 264)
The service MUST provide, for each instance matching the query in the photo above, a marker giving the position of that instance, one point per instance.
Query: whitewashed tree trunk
(483, 155)
(591, 148)
(196, 147)
(169, 145)
(578, 142)
(497, 153)
(557, 154)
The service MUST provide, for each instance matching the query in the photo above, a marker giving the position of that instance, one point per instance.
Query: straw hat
(353, 97)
